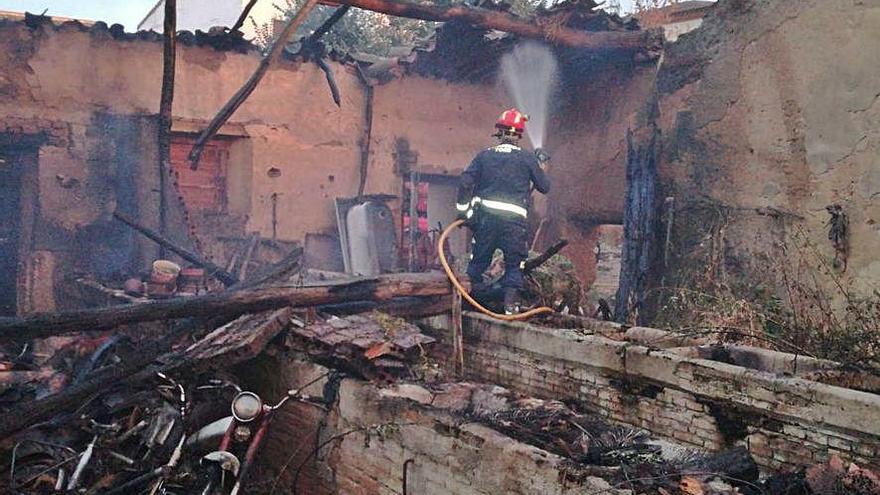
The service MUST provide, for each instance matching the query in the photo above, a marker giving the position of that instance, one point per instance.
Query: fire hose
(464, 293)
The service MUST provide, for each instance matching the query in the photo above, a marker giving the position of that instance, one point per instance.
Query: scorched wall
(86, 102)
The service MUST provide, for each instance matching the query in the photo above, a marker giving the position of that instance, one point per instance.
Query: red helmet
(512, 121)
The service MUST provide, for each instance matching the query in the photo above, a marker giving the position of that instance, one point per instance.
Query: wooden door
(203, 189)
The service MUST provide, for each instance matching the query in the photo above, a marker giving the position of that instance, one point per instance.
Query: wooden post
(166, 102)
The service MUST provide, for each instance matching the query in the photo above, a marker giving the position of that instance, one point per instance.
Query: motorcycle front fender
(226, 460)
(209, 435)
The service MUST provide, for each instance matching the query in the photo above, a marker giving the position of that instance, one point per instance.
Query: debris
(214, 270)
(372, 345)
(229, 303)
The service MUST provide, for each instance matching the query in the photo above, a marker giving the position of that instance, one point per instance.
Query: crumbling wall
(595, 107)
(374, 437)
(62, 84)
(770, 114)
(784, 421)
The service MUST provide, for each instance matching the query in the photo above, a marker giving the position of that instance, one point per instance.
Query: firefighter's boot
(511, 301)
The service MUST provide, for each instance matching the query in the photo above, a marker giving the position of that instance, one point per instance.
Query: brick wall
(785, 422)
(443, 453)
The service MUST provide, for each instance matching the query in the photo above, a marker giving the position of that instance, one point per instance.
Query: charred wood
(280, 271)
(213, 270)
(368, 131)
(542, 258)
(166, 101)
(331, 81)
(401, 307)
(243, 17)
(228, 345)
(236, 101)
(229, 303)
(635, 41)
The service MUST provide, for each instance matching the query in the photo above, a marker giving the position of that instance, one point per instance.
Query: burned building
(721, 186)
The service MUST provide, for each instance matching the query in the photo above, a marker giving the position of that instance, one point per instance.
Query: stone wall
(784, 421)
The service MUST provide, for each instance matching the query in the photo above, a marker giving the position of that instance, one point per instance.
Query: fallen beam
(212, 269)
(647, 41)
(229, 303)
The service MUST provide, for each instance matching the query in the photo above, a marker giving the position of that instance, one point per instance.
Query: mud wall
(783, 421)
(87, 101)
(770, 114)
(597, 104)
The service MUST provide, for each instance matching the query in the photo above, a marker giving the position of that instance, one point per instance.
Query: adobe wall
(770, 113)
(784, 421)
(587, 140)
(89, 101)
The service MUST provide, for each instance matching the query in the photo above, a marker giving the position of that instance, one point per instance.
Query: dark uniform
(494, 196)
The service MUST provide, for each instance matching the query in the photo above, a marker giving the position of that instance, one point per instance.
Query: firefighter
(493, 199)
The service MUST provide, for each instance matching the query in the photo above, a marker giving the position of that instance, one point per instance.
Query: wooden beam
(502, 21)
(243, 17)
(229, 303)
(239, 97)
(169, 58)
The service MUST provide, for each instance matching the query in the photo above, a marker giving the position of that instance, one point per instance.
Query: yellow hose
(464, 293)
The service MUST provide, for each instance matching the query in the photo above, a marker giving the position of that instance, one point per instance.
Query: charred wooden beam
(212, 269)
(327, 25)
(169, 58)
(646, 41)
(315, 50)
(229, 303)
(542, 258)
(243, 17)
(239, 97)
(366, 139)
(331, 81)
(401, 307)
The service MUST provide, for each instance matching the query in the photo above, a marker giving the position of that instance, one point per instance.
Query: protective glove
(542, 156)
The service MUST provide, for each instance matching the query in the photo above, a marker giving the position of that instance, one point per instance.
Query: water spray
(530, 74)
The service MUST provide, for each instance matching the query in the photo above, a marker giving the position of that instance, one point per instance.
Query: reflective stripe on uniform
(502, 206)
(505, 148)
(492, 204)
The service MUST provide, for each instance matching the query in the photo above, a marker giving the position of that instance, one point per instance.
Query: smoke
(530, 75)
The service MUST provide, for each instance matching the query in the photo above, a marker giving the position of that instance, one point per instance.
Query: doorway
(10, 227)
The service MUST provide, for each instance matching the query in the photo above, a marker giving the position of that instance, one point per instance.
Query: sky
(126, 12)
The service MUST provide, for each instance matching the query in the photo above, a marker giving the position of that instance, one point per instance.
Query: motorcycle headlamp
(246, 406)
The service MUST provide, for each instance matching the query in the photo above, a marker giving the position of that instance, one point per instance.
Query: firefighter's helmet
(512, 123)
